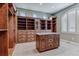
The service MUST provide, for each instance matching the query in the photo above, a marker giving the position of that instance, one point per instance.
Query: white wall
(32, 13)
(69, 36)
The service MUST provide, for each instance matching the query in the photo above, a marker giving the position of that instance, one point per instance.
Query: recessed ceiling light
(53, 7)
(44, 17)
(41, 3)
(34, 15)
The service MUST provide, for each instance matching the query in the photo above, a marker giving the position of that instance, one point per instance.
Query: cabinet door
(3, 18)
(43, 44)
(50, 41)
(56, 41)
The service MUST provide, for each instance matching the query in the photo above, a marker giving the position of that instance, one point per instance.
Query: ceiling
(43, 7)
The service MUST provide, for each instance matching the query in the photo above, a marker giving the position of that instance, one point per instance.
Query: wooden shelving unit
(48, 24)
(54, 24)
(21, 23)
(42, 23)
(30, 24)
(6, 28)
(31, 27)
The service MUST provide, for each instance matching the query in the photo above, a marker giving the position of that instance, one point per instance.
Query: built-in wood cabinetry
(32, 26)
(47, 41)
(54, 24)
(42, 24)
(21, 23)
(49, 24)
(7, 28)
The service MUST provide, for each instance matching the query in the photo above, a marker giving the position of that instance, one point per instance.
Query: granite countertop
(46, 33)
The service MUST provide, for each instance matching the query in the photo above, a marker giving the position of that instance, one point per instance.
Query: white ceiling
(43, 7)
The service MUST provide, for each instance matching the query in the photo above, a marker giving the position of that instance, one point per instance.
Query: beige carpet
(67, 48)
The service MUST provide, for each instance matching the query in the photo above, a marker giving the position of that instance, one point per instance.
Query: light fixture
(44, 17)
(34, 15)
(53, 7)
(41, 3)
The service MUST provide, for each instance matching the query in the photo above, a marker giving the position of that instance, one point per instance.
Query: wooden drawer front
(30, 33)
(30, 36)
(30, 39)
(50, 36)
(50, 40)
(22, 38)
(50, 45)
(21, 32)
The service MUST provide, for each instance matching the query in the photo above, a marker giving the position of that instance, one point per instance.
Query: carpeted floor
(67, 48)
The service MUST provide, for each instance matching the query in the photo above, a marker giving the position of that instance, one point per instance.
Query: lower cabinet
(47, 42)
(21, 36)
(43, 45)
(26, 36)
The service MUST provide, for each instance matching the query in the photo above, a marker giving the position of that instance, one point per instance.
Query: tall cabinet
(7, 31)
(54, 26)
(11, 27)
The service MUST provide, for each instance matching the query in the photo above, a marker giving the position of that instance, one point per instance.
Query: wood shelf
(30, 24)
(3, 29)
(53, 24)
(48, 25)
(42, 23)
(21, 23)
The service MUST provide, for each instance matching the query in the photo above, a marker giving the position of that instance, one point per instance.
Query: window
(68, 22)
(64, 23)
(77, 20)
(71, 21)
